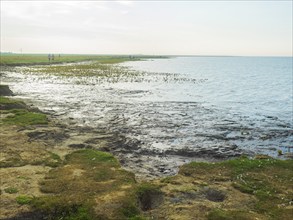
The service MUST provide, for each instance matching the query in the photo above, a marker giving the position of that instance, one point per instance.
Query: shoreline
(145, 164)
(148, 163)
(14, 60)
(39, 177)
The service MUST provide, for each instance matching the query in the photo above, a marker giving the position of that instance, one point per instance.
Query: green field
(32, 59)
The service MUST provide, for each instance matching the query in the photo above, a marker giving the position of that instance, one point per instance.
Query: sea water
(246, 101)
(252, 86)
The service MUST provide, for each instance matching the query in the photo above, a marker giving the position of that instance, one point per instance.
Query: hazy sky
(148, 27)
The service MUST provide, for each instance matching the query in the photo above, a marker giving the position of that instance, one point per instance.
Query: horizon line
(140, 54)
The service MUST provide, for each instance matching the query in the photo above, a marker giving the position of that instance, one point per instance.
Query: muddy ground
(53, 171)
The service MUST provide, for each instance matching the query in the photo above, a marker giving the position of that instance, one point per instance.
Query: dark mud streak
(29, 216)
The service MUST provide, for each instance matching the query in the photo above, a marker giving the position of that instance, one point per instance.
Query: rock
(5, 91)
(47, 135)
(105, 148)
(77, 146)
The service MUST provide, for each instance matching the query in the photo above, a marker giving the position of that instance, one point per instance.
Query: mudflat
(51, 170)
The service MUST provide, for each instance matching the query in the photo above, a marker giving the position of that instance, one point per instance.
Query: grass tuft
(92, 157)
(219, 214)
(11, 190)
(24, 117)
(269, 180)
(24, 200)
(89, 178)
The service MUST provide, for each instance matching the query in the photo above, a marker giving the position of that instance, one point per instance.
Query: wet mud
(152, 134)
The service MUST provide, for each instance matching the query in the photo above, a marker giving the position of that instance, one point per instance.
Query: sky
(241, 28)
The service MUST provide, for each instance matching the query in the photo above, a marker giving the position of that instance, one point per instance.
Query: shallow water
(195, 107)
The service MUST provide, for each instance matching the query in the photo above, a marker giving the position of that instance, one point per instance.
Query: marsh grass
(23, 117)
(45, 158)
(14, 160)
(89, 179)
(104, 69)
(90, 158)
(269, 180)
(31, 59)
(15, 112)
(52, 160)
(8, 103)
(11, 190)
(18, 59)
(24, 199)
(59, 207)
(219, 214)
(5, 100)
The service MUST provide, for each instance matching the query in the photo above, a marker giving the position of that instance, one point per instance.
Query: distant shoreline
(12, 60)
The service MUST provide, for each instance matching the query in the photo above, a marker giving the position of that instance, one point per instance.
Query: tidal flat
(52, 170)
(153, 122)
(55, 165)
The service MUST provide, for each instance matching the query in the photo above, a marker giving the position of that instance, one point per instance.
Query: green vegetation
(18, 59)
(11, 190)
(4, 100)
(101, 70)
(59, 208)
(243, 188)
(219, 214)
(28, 59)
(146, 188)
(51, 160)
(24, 200)
(101, 67)
(15, 112)
(7, 103)
(45, 158)
(23, 177)
(269, 180)
(14, 160)
(23, 117)
(90, 183)
(89, 158)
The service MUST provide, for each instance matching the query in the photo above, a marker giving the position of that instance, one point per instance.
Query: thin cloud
(124, 12)
(187, 27)
(126, 3)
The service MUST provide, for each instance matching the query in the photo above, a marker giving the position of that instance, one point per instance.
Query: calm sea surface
(200, 104)
(250, 86)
